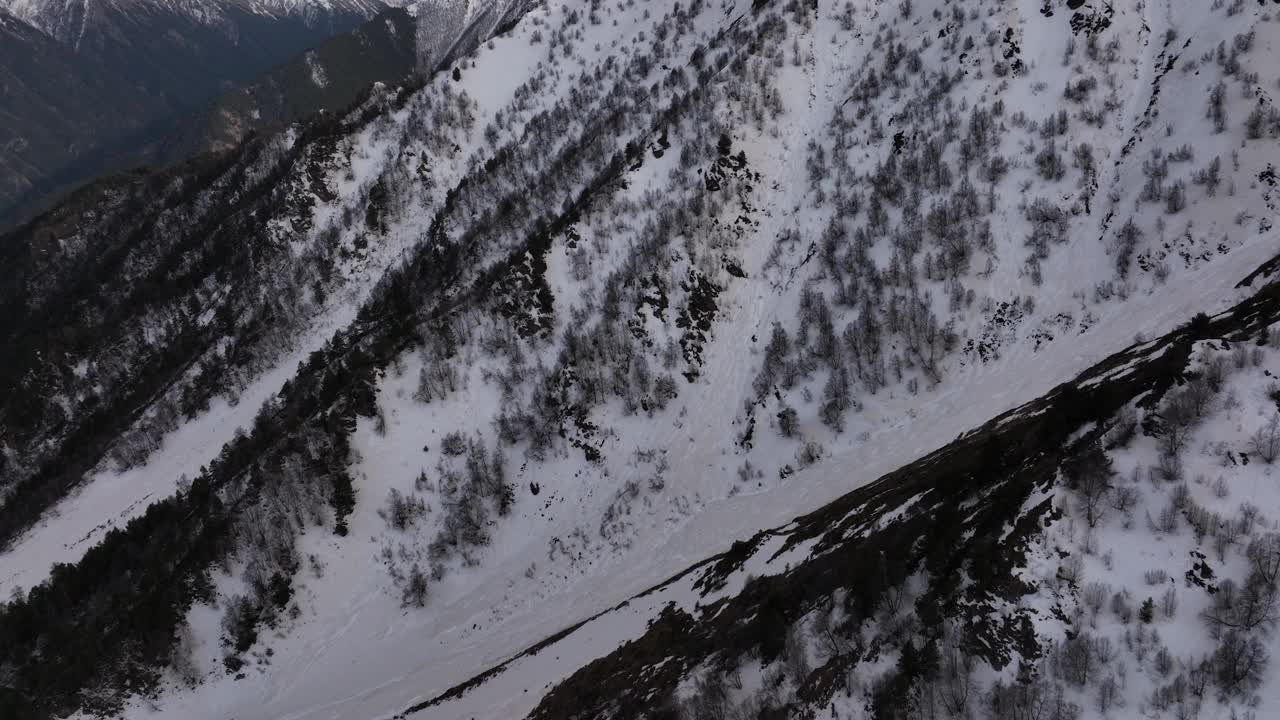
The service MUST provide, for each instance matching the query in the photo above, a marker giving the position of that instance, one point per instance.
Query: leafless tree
(1179, 416)
(1169, 603)
(1264, 558)
(1239, 662)
(1217, 106)
(1075, 659)
(1125, 498)
(1071, 569)
(1199, 392)
(956, 680)
(1266, 441)
(797, 654)
(1108, 694)
(1095, 596)
(1089, 473)
(415, 589)
(1242, 608)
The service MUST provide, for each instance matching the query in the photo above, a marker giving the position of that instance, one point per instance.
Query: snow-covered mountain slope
(451, 29)
(1059, 561)
(634, 282)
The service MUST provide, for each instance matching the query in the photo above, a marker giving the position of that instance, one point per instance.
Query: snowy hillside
(355, 421)
(328, 77)
(1098, 562)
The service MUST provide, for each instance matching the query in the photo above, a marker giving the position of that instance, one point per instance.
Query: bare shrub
(415, 589)
(1266, 441)
(402, 509)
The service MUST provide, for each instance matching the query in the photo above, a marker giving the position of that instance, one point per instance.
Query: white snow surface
(354, 652)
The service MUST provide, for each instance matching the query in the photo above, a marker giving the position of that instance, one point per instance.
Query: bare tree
(1247, 608)
(1127, 239)
(1028, 700)
(1199, 393)
(1121, 609)
(1266, 441)
(788, 421)
(1075, 659)
(1179, 416)
(1089, 473)
(1108, 694)
(1169, 466)
(1095, 596)
(710, 699)
(1125, 498)
(1071, 569)
(1264, 558)
(182, 656)
(796, 650)
(1239, 663)
(1125, 426)
(415, 589)
(956, 679)
(402, 510)
(831, 641)
(1217, 106)
(1169, 603)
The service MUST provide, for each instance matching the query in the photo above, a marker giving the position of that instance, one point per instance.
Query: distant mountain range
(88, 88)
(329, 76)
(51, 102)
